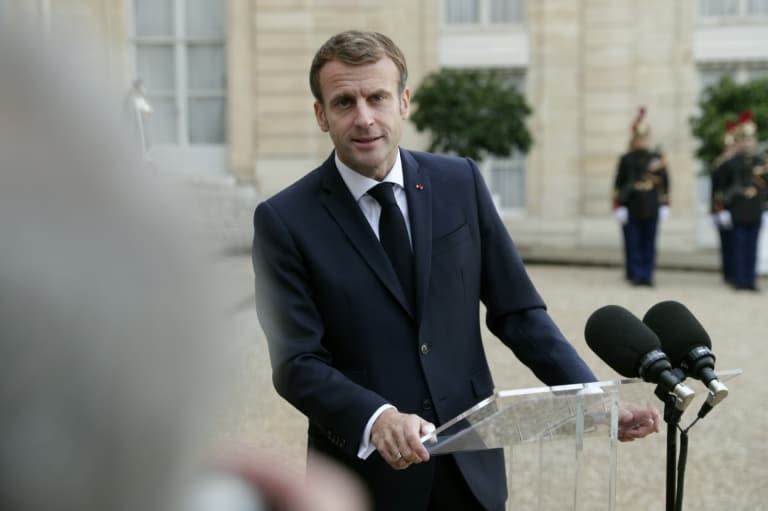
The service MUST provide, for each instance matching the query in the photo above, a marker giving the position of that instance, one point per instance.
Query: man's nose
(364, 117)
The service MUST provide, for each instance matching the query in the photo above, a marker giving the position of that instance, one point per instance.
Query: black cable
(681, 463)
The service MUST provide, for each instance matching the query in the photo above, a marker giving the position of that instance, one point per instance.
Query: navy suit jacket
(343, 340)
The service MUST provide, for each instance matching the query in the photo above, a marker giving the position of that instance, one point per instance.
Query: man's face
(641, 142)
(363, 113)
(747, 144)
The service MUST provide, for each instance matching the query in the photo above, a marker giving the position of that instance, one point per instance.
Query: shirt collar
(359, 184)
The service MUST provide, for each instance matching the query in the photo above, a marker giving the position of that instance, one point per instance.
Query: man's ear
(320, 116)
(405, 103)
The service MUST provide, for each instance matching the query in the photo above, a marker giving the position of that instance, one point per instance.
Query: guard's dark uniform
(642, 186)
(725, 232)
(743, 190)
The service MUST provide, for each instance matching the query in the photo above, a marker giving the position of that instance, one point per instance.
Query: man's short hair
(355, 48)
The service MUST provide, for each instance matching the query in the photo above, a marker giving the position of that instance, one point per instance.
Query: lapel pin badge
(419, 186)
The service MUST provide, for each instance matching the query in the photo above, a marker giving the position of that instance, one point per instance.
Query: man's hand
(724, 219)
(621, 214)
(397, 437)
(636, 421)
(663, 212)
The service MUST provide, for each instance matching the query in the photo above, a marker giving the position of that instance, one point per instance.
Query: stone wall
(592, 64)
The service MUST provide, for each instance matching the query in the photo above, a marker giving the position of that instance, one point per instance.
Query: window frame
(742, 14)
(483, 17)
(181, 93)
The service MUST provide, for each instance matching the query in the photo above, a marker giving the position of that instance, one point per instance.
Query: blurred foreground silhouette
(113, 346)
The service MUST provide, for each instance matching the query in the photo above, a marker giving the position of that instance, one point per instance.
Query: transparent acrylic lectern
(560, 442)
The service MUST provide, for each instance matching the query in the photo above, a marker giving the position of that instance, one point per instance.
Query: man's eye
(343, 102)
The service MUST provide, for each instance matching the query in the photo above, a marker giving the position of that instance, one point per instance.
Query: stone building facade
(592, 63)
(586, 66)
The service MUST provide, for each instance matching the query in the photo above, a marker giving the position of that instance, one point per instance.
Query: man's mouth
(364, 141)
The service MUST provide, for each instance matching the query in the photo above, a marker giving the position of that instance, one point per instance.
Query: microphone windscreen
(677, 328)
(619, 338)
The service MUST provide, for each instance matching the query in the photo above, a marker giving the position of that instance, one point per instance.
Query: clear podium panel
(561, 443)
(510, 417)
(553, 476)
(555, 438)
(528, 415)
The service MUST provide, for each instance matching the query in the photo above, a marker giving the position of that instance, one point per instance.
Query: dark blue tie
(394, 236)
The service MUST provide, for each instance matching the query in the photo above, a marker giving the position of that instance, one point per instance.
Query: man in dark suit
(374, 344)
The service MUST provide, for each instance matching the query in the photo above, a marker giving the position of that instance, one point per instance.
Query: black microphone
(623, 342)
(688, 346)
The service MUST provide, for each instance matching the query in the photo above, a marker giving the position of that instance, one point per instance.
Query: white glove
(621, 214)
(724, 219)
(663, 213)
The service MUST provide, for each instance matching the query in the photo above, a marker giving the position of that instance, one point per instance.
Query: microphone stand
(672, 417)
(681, 468)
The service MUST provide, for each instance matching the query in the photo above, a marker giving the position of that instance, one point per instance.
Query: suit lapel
(341, 205)
(418, 190)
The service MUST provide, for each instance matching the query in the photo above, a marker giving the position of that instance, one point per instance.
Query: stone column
(638, 54)
(555, 90)
(240, 89)
(592, 64)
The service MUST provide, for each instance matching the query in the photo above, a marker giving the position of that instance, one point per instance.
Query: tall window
(462, 11)
(740, 72)
(180, 57)
(733, 8)
(457, 12)
(506, 176)
(506, 180)
(507, 11)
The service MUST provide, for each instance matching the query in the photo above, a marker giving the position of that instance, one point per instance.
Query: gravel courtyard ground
(727, 466)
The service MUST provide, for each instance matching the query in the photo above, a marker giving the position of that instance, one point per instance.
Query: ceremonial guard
(640, 200)
(721, 217)
(742, 195)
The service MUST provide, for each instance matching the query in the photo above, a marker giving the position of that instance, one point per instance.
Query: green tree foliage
(473, 113)
(722, 102)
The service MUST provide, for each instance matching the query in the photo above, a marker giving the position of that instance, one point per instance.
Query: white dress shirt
(359, 185)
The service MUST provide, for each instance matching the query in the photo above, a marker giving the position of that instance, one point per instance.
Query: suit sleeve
(302, 368)
(516, 314)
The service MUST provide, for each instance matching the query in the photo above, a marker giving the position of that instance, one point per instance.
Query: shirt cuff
(589, 389)
(366, 448)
